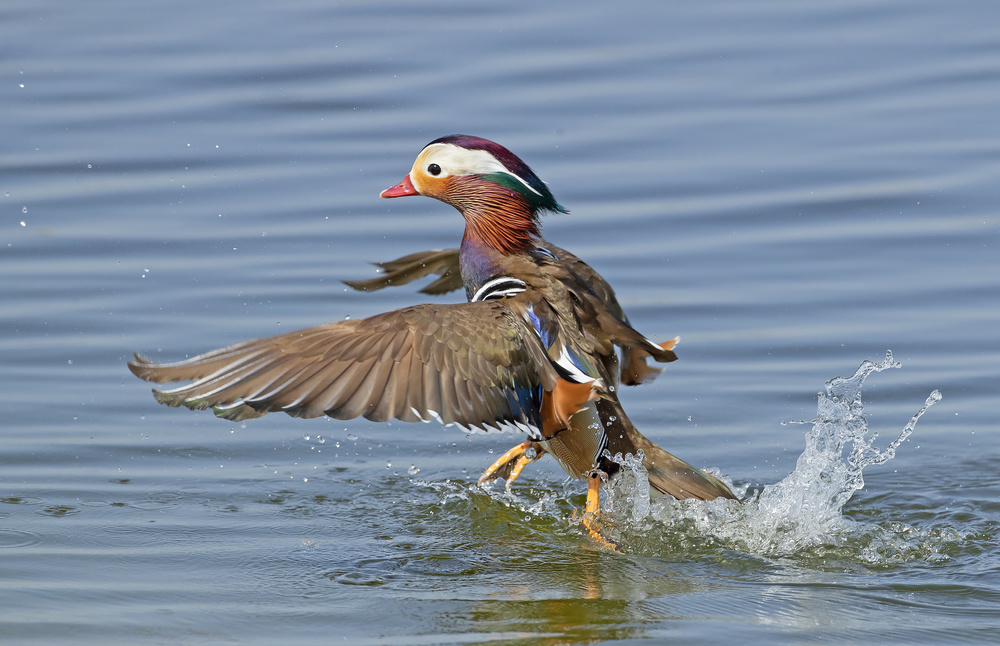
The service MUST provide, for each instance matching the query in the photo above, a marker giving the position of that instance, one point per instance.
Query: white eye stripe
(455, 160)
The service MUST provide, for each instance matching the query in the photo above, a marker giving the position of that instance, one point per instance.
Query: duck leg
(593, 510)
(510, 464)
(593, 493)
(558, 405)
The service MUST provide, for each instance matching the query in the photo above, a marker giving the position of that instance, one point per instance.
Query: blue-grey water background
(791, 187)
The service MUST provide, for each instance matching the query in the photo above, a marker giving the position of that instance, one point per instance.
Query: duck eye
(434, 170)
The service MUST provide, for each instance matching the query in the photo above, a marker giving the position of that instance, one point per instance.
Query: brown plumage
(579, 317)
(536, 349)
(600, 320)
(461, 364)
(516, 232)
(444, 264)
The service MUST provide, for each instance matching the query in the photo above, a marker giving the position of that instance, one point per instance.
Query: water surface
(792, 188)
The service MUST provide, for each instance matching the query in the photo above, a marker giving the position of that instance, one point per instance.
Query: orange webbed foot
(510, 464)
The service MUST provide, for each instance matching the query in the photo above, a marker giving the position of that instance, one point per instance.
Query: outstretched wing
(572, 271)
(443, 262)
(478, 365)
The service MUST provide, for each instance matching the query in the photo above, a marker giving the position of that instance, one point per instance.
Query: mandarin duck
(580, 322)
(534, 349)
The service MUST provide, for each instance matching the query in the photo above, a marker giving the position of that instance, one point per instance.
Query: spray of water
(800, 516)
(801, 511)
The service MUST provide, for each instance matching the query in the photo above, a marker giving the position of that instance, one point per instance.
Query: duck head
(499, 195)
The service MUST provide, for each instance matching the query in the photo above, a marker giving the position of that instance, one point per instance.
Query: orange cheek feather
(430, 186)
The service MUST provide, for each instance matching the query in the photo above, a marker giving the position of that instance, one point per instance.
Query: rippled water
(792, 188)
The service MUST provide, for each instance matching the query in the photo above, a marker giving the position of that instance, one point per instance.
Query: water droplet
(320, 439)
(388, 465)
(306, 437)
(352, 437)
(413, 470)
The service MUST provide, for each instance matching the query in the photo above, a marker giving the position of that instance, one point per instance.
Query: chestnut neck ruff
(495, 216)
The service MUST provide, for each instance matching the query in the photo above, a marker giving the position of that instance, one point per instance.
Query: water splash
(631, 485)
(802, 516)
(802, 511)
